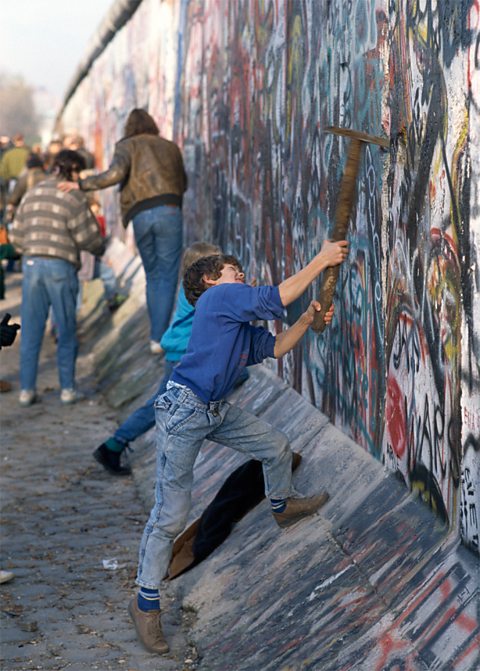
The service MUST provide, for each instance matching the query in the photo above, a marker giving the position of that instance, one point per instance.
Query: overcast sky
(44, 40)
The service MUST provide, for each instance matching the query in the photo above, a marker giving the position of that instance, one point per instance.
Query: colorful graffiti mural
(429, 292)
(246, 89)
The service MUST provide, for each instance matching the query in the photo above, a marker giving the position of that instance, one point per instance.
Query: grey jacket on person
(52, 223)
(149, 170)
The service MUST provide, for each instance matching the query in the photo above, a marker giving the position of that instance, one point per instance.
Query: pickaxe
(342, 213)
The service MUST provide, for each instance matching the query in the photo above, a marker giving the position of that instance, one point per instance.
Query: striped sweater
(50, 222)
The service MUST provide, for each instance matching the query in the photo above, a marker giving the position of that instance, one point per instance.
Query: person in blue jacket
(174, 343)
(222, 343)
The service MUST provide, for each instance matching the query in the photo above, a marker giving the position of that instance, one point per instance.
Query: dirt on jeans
(70, 531)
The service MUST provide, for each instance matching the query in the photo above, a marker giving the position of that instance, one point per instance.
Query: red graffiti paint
(389, 645)
(395, 417)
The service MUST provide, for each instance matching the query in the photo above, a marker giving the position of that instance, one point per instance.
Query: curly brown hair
(212, 267)
(139, 121)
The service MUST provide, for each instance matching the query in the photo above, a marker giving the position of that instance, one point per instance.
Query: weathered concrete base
(373, 583)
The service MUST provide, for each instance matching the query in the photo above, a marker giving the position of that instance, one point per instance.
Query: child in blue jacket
(194, 408)
(174, 343)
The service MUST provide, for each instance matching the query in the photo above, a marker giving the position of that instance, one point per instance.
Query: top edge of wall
(117, 16)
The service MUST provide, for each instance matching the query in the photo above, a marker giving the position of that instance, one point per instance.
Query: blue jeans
(143, 418)
(159, 237)
(185, 422)
(48, 282)
(105, 273)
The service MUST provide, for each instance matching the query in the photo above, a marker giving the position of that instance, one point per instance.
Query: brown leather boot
(149, 628)
(297, 509)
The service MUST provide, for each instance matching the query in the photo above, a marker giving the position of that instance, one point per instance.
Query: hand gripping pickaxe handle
(342, 214)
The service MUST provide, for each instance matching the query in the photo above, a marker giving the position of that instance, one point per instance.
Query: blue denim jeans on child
(143, 418)
(159, 237)
(48, 282)
(104, 272)
(183, 422)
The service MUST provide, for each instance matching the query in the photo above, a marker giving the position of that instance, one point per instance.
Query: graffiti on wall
(270, 176)
(246, 89)
(428, 286)
(389, 370)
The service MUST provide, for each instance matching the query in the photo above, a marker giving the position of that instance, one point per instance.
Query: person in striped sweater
(50, 229)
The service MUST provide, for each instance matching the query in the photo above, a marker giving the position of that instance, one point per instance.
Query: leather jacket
(149, 170)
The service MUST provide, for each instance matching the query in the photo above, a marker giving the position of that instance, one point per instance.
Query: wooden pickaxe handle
(342, 217)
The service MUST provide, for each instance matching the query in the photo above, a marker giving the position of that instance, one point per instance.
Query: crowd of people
(64, 239)
(22, 168)
(208, 344)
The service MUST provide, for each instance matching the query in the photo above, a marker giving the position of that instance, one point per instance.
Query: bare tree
(17, 107)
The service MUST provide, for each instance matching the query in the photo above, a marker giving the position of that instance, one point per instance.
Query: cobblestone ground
(62, 515)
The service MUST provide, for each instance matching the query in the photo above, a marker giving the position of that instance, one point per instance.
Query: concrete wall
(246, 89)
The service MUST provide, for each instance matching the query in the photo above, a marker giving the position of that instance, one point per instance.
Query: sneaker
(148, 627)
(5, 576)
(155, 347)
(115, 302)
(69, 396)
(27, 397)
(297, 509)
(110, 460)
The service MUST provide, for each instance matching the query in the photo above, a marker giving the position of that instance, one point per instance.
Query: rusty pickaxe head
(343, 210)
(358, 135)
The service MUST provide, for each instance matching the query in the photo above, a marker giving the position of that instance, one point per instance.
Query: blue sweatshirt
(175, 339)
(223, 341)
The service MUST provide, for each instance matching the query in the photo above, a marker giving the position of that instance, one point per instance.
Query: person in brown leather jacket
(152, 179)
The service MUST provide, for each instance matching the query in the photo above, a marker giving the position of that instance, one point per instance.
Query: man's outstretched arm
(331, 254)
